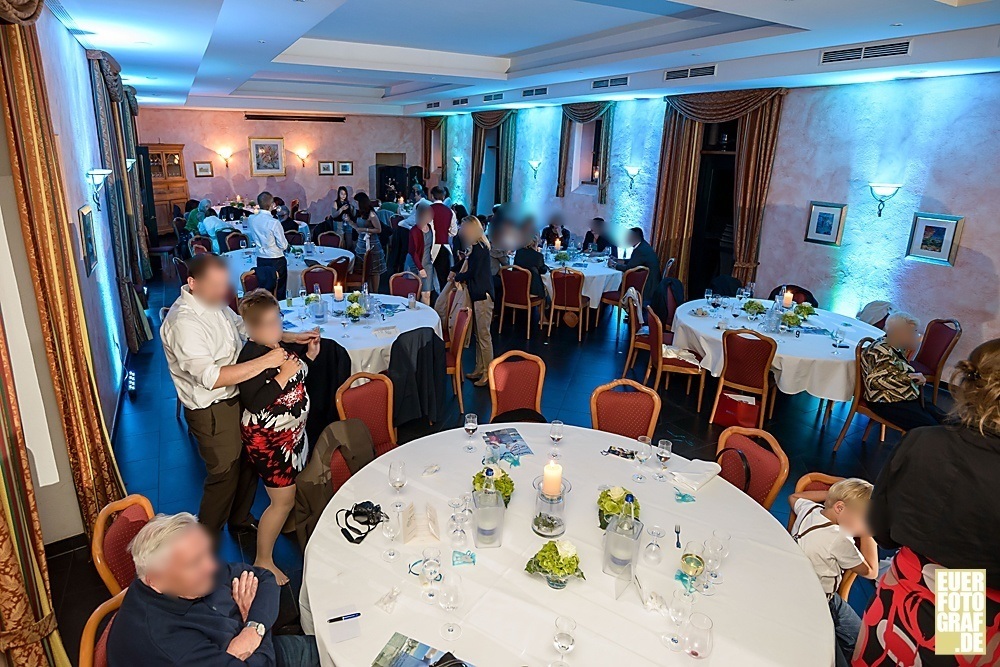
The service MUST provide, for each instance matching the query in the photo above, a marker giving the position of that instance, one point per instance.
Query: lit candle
(558, 244)
(787, 300)
(552, 479)
(338, 292)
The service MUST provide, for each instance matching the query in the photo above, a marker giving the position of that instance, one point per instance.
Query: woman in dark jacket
(475, 275)
(529, 258)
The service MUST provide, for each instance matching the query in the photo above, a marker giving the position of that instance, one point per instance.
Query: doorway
(488, 181)
(712, 235)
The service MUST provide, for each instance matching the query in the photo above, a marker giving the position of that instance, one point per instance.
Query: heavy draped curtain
(482, 121)
(50, 244)
(758, 113)
(431, 123)
(22, 12)
(116, 135)
(586, 112)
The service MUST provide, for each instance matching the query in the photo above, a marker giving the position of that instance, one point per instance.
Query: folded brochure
(402, 651)
(509, 439)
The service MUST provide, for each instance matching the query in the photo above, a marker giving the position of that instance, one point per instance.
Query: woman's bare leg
(269, 527)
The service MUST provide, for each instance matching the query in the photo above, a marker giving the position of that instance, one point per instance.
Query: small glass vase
(550, 511)
(557, 581)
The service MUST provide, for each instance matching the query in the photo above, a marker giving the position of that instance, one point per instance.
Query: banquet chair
(302, 216)
(220, 236)
(199, 249)
(181, 268)
(635, 277)
(248, 281)
(746, 464)
(371, 402)
(875, 313)
(322, 276)
(111, 537)
(799, 294)
(859, 405)
(446, 330)
(404, 284)
(940, 338)
(342, 266)
(516, 282)
(199, 240)
(628, 413)
(328, 240)
(567, 296)
(665, 365)
(295, 238)
(356, 279)
(746, 367)
(453, 356)
(234, 239)
(94, 649)
(667, 267)
(166, 252)
(516, 380)
(638, 336)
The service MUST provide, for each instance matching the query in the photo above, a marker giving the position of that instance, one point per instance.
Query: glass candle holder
(550, 511)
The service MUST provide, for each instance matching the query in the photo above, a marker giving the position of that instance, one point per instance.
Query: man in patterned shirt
(892, 387)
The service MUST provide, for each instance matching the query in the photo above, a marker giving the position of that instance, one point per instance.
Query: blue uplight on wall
(634, 160)
(459, 140)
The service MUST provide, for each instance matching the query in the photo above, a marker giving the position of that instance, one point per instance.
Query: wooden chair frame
(775, 449)
(319, 239)
(199, 239)
(532, 301)
(317, 269)
(356, 280)
(527, 357)
(243, 278)
(176, 261)
(765, 380)
(372, 377)
(623, 382)
(856, 402)
(622, 289)
(581, 311)
(229, 248)
(662, 369)
(403, 274)
(456, 372)
(935, 377)
(295, 234)
(88, 641)
(100, 529)
(634, 344)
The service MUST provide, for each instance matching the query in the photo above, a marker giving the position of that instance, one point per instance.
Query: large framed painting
(88, 249)
(935, 238)
(267, 156)
(826, 222)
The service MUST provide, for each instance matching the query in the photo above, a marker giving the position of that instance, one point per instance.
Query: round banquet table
(770, 609)
(368, 341)
(241, 261)
(598, 277)
(805, 364)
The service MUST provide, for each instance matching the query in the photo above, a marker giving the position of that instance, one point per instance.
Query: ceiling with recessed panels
(434, 56)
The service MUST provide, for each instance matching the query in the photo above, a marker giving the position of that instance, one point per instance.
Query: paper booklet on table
(402, 650)
(509, 439)
(383, 333)
(420, 526)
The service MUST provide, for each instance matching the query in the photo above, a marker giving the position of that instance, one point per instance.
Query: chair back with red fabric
(811, 481)
(371, 402)
(939, 340)
(109, 545)
(248, 280)
(178, 225)
(94, 649)
(768, 466)
(671, 308)
(395, 220)
(859, 377)
(199, 240)
(339, 471)
(342, 267)
(303, 216)
(567, 288)
(322, 276)
(295, 238)
(655, 327)
(404, 284)
(628, 413)
(234, 240)
(181, 267)
(199, 249)
(516, 379)
(516, 281)
(747, 357)
(329, 239)
(359, 275)
(460, 331)
(451, 302)
(635, 277)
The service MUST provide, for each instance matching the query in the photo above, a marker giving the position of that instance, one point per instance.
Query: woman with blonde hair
(935, 500)
(474, 273)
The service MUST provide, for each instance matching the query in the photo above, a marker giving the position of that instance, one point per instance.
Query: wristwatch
(257, 627)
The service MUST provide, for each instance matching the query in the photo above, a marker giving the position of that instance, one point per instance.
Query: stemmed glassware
(838, 339)
(714, 555)
(664, 450)
(450, 594)
(456, 524)
(642, 454)
(653, 553)
(343, 323)
(397, 480)
(556, 435)
(693, 559)
(677, 612)
(471, 425)
(429, 572)
(391, 529)
(303, 314)
(564, 639)
(697, 636)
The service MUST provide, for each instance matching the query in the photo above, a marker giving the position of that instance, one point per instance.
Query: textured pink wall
(204, 133)
(935, 136)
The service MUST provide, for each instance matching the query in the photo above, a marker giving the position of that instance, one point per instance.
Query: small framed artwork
(89, 245)
(935, 238)
(345, 168)
(203, 170)
(267, 156)
(826, 222)
(326, 168)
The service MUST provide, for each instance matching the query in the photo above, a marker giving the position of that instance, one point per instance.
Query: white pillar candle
(338, 292)
(787, 300)
(552, 479)
(558, 244)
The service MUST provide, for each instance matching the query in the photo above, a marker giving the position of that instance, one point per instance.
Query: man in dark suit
(642, 255)
(529, 258)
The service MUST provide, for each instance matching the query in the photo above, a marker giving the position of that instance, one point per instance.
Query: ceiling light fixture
(883, 192)
(535, 164)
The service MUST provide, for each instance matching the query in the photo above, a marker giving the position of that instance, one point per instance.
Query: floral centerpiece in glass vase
(354, 297)
(803, 310)
(754, 309)
(611, 502)
(562, 257)
(502, 481)
(354, 311)
(790, 319)
(557, 561)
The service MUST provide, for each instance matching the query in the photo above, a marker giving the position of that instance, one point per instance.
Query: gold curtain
(481, 122)
(51, 246)
(431, 123)
(586, 112)
(23, 12)
(758, 113)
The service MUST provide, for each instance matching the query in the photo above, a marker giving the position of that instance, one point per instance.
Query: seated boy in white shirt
(827, 526)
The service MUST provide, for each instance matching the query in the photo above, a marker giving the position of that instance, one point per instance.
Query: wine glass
(303, 314)
(343, 324)
(678, 613)
(838, 339)
(467, 512)
(653, 553)
(391, 529)
(708, 295)
(664, 450)
(736, 309)
(429, 572)
(693, 559)
(724, 538)
(556, 435)
(697, 636)
(450, 599)
(397, 480)
(564, 639)
(471, 425)
(643, 452)
(714, 555)
(243, 247)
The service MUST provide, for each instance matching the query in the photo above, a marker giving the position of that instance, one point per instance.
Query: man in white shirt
(210, 227)
(272, 268)
(202, 338)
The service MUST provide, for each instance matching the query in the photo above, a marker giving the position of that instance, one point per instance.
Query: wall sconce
(632, 173)
(226, 156)
(97, 178)
(458, 160)
(129, 163)
(535, 164)
(883, 192)
(302, 154)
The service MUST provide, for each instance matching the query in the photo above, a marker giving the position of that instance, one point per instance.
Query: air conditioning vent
(865, 52)
(841, 55)
(303, 118)
(433, 105)
(534, 92)
(618, 81)
(883, 50)
(460, 102)
(689, 72)
(600, 83)
(492, 97)
(707, 70)
(670, 75)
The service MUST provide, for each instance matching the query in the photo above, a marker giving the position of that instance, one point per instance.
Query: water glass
(724, 538)
(397, 480)
(391, 529)
(556, 435)
(664, 450)
(450, 599)
(643, 452)
(471, 425)
(708, 295)
(697, 636)
(838, 339)
(677, 613)
(430, 571)
(714, 555)
(653, 553)
(564, 639)
(411, 300)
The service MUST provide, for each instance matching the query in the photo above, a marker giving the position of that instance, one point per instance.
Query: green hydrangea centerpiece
(504, 483)
(610, 502)
(557, 561)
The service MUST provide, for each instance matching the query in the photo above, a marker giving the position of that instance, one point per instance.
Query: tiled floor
(158, 460)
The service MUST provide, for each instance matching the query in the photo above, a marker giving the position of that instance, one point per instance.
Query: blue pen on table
(345, 617)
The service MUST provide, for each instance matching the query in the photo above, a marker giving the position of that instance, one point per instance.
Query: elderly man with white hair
(892, 387)
(184, 608)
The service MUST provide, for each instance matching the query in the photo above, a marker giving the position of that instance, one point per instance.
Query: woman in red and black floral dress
(275, 408)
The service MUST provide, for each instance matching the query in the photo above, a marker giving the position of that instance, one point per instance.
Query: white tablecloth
(369, 353)
(241, 261)
(806, 363)
(770, 610)
(598, 278)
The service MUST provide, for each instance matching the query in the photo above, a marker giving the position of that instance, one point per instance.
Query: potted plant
(503, 482)
(354, 311)
(312, 298)
(610, 502)
(557, 561)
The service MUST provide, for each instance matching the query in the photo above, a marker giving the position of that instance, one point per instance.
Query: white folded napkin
(671, 352)
(695, 473)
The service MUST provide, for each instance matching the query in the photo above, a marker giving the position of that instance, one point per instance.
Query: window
(585, 162)
(436, 149)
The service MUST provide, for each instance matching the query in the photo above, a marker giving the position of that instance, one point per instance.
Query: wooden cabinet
(170, 186)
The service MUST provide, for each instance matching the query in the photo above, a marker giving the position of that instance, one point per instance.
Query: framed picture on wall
(326, 168)
(267, 156)
(203, 170)
(345, 168)
(935, 238)
(88, 249)
(826, 222)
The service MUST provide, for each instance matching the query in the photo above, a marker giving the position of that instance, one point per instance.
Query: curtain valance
(586, 112)
(21, 12)
(488, 120)
(723, 106)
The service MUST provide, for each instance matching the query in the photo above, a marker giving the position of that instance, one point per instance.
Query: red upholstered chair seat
(921, 368)
(765, 467)
(611, 295)
(116, 540)
(370, 402)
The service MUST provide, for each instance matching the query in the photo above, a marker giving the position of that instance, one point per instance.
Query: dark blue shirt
(156, 630)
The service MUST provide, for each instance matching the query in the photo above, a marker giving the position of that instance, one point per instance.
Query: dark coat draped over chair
(416, 368)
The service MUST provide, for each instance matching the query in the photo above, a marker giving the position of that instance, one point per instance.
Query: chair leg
(843, 431)
(503, 310)
(649, 371)
(701, 388)
(937, 386)
(552, 316)
(868, 429)
(458, 389)
(715, 406)
(881, 435)
(579, 327)
(690, 378)
(773, 400)
(829, 411)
